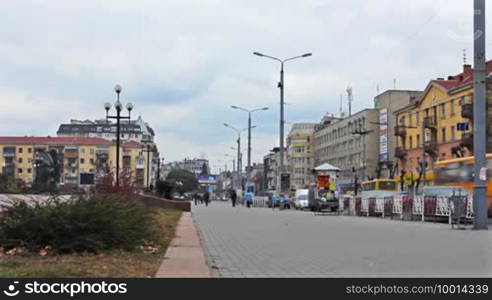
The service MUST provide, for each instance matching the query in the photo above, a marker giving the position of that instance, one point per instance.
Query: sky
(183, 63)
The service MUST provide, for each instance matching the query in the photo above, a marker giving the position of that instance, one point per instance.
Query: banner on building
(383, 134)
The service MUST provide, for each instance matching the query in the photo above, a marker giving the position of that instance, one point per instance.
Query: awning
(326, 167)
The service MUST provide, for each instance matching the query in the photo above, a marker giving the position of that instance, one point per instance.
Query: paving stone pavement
(259, 242)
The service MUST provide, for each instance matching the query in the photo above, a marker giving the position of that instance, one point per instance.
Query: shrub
(81, 224)
(164, 188)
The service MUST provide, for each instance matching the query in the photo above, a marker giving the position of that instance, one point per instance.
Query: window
(20, 150)
(418, 140)
(443, 134)
(29, 170)
(82, 150)
(443, 111)
(29, 150)
(451, 105)
(19, 170)
(453, 133)
(462, 101)
(82, 160)
(417, 117)
(20, 160)
(91, 160)
(410, 143)
(92, 151)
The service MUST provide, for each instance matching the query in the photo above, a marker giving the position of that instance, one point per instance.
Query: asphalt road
(259, 242)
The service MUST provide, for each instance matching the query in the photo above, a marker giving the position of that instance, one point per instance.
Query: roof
(326, 167)
(53, 140)
(132, 144)
(461, 79)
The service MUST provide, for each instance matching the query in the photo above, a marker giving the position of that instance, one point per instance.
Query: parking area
(261, 242)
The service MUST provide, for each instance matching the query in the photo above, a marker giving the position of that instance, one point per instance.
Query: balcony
(430, 123)
(400, 131)
(467, 141)
(102, 151)
(9, 152)
(467, 111)
(430, 147)
(400, 153)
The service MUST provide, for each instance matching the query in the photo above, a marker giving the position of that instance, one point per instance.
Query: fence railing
(408, 207)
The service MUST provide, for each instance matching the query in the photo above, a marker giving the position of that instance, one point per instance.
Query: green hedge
(82, 224)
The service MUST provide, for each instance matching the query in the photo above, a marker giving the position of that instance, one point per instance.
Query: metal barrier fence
(409, 208)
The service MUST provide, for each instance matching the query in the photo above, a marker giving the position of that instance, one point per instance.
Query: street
(259, 242)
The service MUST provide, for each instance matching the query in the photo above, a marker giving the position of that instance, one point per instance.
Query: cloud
(183, 63)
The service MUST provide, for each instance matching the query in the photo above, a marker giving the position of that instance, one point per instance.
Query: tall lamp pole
(480, 118)
(238, 131)
(281, 86)
(119, 107)
(249, 111)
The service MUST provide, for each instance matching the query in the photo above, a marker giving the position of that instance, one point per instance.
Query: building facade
(80, 160)
(388, 103)
(350, 144)
(300, 155)
(438, 125)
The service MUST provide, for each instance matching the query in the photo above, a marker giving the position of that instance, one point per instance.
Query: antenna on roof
(464, 56)
(350, 99)
(341, 105)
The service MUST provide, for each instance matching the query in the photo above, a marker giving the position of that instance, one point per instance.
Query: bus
(460, 172)
(379, 187)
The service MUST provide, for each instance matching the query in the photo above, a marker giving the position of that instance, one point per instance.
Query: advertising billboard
(383, 134)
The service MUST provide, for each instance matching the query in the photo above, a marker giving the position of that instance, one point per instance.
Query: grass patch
(116, 263)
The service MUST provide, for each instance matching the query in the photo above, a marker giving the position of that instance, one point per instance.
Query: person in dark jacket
(206, 198)
(195, 198)
(233, 195)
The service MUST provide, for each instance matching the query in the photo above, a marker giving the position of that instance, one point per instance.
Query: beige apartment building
(351, 144)
(300, 155)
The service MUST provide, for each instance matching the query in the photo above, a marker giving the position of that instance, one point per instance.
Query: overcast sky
(184, 62)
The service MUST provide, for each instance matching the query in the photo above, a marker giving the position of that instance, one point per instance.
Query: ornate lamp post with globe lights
(119, 107)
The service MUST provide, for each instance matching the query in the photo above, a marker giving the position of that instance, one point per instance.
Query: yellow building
(438, 125)
(300, 155)
(81, 160)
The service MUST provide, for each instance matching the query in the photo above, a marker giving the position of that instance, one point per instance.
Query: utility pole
(281, 86)
(480, 118)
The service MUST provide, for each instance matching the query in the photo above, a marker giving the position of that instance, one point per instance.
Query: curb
(184, 257)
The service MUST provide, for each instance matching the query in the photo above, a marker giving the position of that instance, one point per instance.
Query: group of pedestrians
(248, 198)
(205, 198)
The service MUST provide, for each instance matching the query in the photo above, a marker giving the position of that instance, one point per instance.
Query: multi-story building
(195, 165)
(81, 160)
(271, 165)
(130, 131)
(387, 103)
(300, 154)
(438, 125)
(350, 144)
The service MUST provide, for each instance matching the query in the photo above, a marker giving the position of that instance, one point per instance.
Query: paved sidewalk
(184, 257)
(259, 242)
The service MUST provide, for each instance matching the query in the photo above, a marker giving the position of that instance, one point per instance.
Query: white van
(301, 199)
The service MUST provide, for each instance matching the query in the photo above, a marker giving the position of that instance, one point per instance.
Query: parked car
(301, 199)
(281, 201)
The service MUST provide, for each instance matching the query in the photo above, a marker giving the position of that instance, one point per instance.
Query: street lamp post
(249, 111)
(238, 147)
(119, 107)
(281, 86)
(480, 118)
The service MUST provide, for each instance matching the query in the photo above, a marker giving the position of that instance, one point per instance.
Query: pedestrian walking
(233, 197)
(206, 198)
(248, 197)
(195, 198)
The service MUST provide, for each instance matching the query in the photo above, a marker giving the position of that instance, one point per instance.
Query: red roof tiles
(53, 140)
